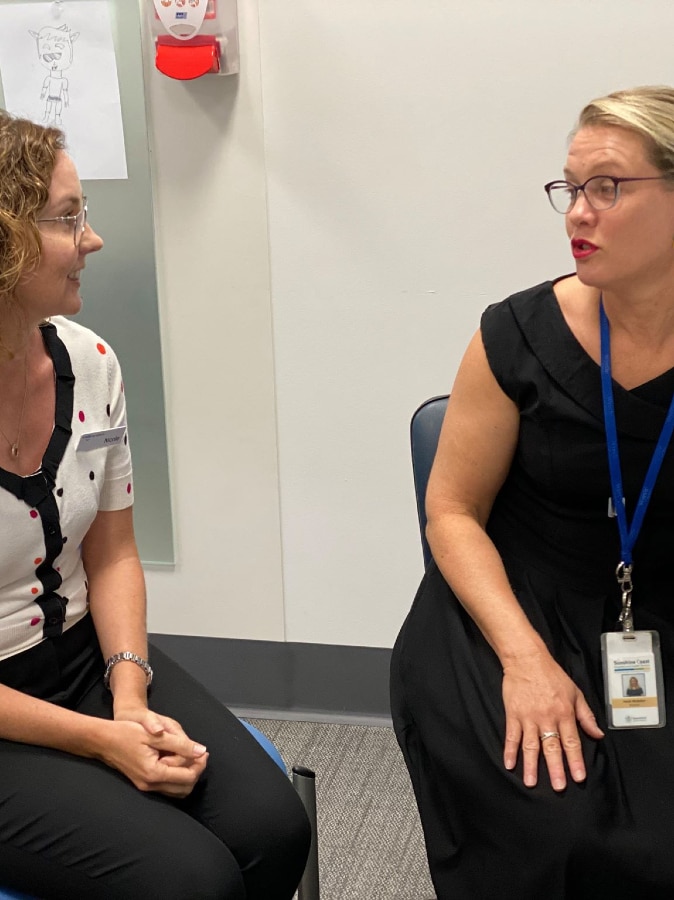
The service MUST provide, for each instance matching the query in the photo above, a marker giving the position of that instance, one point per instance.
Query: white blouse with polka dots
(45, 516)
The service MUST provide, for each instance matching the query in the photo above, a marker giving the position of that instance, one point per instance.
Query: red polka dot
(33, 514)
(35, 621)
(37, 560)
(128, 488)
(58, 568)
(101, 349)
(34, 591)
(80, 416)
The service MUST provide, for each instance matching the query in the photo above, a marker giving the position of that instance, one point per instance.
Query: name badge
(97, 440)
(633, 683)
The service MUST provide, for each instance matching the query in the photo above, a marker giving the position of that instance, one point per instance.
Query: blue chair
(6, 894)
(265, 743)
(424, 433)
(304, 781)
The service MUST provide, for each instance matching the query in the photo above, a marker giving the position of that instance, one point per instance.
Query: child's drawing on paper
(55, 52)
(58, 66)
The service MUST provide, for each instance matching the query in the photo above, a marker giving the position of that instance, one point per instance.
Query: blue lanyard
(629, 535)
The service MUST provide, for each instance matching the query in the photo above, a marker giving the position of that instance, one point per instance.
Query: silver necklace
(14, 445)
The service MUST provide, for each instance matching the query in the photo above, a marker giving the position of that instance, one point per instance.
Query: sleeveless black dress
(487, 835)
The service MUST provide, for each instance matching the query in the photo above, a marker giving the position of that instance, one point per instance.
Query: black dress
(487, 835)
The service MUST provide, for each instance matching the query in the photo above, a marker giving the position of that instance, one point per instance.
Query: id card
(96, 440)
(633, 684)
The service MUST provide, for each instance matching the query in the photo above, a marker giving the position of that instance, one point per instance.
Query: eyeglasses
(75, 223)
(601, 192)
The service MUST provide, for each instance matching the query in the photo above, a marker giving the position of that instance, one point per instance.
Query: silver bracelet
(131, 657)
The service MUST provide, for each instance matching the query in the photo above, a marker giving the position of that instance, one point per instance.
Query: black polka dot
(65, 540)
(125, 440)
(59, 493)
(91, 476)
(107, 409)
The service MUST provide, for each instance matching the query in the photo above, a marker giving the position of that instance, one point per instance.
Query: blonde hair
(647, 110)
(28, 154)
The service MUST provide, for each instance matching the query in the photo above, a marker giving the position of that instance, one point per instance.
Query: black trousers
(75, 828)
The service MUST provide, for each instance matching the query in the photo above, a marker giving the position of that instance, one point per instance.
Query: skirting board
(292, 678)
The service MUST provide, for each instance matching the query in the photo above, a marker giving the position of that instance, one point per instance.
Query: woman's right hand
(540, 697)
(149, 760)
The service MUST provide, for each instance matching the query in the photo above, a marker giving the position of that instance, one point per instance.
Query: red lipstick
(581, 249)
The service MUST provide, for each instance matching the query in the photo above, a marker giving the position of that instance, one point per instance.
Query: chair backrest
(7, 894)
(424, 433)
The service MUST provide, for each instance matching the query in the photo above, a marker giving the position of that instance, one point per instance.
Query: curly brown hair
(27, 158)
(28, 155)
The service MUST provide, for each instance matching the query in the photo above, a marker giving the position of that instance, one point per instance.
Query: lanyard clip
(623, 574)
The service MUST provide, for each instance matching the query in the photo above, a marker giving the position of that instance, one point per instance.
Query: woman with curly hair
(108, 787)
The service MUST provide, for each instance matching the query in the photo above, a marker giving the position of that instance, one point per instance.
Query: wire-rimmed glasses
(78, 222)
(601, 192)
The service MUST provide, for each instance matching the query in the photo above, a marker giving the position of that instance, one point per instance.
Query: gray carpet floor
(369, 837)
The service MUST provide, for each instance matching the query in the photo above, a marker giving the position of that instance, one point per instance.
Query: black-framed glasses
(77, 223)
(601, 191)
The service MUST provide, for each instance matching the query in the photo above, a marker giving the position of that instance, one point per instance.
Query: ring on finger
(549, 734)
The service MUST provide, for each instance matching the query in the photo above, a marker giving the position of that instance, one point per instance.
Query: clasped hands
(154, 752)
(542, 701)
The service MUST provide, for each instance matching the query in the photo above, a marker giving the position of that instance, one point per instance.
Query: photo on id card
(633, 684)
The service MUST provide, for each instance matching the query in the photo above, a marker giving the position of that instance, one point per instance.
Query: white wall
(401, 149)
(214, 294)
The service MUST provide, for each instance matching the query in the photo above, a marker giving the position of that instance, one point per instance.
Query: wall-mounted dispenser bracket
(195, 37)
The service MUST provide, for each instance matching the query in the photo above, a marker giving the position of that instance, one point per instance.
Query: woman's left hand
(156, 725)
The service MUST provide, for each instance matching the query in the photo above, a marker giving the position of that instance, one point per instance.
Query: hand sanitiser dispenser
(195, 37)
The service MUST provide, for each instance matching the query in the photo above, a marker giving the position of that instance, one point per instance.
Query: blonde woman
(497, 686)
